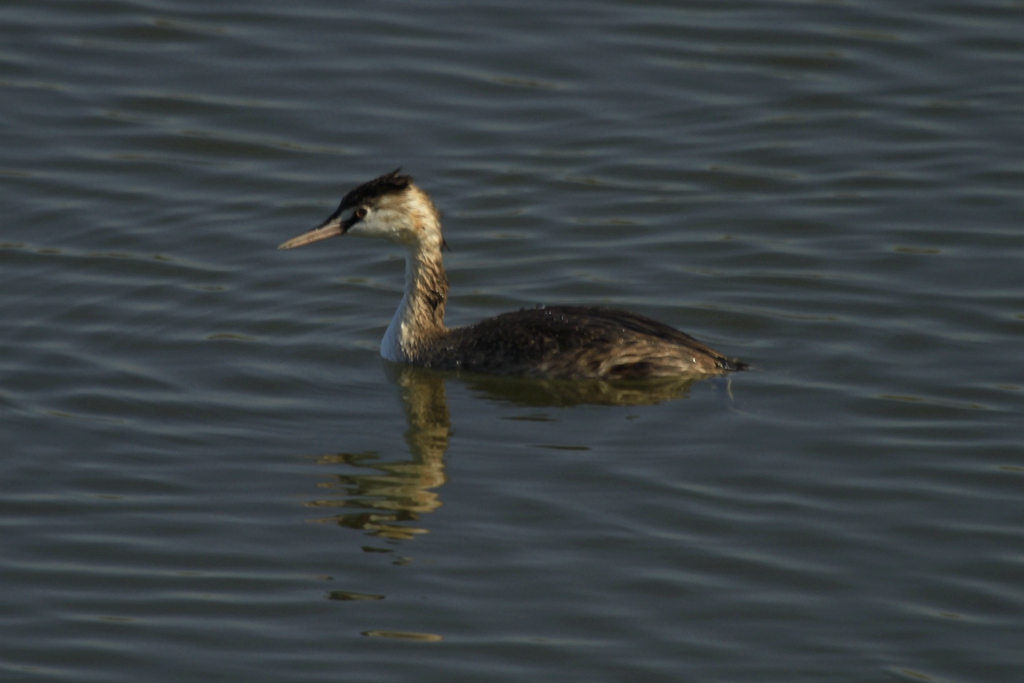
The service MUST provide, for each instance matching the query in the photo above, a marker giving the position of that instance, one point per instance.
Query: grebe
(555, 342)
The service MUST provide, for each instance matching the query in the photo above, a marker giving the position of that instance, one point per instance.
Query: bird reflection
(396, 493)
(387, 498)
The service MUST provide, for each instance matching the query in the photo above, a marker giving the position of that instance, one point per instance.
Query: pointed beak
(333, 227)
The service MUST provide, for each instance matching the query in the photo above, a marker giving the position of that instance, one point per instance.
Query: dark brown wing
(576, 341)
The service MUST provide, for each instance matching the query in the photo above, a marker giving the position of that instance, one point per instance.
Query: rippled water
(209, 474)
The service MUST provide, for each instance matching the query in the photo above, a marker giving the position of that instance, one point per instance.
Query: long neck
(419, 320)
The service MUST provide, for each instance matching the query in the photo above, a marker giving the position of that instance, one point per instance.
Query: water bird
(553, 342)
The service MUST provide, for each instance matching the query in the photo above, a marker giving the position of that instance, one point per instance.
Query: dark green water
(207, 473)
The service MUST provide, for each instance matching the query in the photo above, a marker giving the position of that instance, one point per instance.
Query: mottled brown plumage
(568, 342)
(574, 342)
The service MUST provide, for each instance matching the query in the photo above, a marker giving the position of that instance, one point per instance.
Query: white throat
(401, 323)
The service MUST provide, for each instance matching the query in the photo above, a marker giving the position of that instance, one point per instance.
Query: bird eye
(359, 213)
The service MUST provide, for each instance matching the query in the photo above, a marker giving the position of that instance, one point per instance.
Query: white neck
(401, 323)
(420, 315)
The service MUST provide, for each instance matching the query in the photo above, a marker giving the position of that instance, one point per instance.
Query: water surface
(209, 474)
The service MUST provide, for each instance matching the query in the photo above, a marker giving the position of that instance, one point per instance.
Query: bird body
(557, 342)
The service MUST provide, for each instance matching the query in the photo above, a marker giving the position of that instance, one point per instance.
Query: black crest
(389, 183)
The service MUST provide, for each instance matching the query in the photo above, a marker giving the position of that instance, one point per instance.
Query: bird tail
(732, 364)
